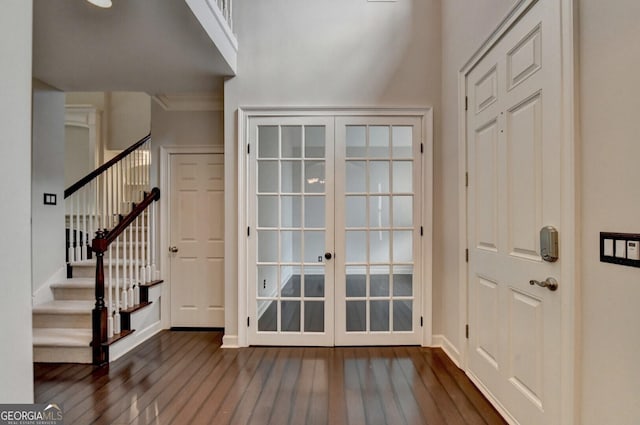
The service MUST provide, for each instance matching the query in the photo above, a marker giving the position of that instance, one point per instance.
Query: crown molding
(190, 102)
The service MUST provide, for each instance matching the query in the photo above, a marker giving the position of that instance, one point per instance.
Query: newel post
(99, 314)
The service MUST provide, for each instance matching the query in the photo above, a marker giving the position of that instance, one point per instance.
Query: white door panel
(513, 146)
(197, 232)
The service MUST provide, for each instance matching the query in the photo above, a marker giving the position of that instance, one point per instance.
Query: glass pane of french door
(377, 229)
(291, 208)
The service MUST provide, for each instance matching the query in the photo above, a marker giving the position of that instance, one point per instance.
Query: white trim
(230, 341)
(496, 404)
(85, 116)
(441, 341)
(190, 102)
(215, 25)
(127, 344)
(165, 224)
(245, 113)
(570, 320)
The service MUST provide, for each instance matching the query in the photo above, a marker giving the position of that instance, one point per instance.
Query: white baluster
(148, 271)
(69, 211)
(131, 281)
(83, 209)
(116, 316)
(78, 254)
(136, 290)
(154, 211)
(110, 329)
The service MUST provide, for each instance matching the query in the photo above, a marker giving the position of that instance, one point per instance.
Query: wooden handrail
(95, 173)
(99, 245)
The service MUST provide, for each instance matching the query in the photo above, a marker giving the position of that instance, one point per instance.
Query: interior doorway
(335, 235)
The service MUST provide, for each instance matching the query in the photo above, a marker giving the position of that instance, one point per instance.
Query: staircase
(112, 287)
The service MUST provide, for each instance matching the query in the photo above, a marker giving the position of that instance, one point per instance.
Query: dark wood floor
(186, 378)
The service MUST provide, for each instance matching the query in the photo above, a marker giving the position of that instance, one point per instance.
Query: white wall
(47, 174)
(129, 118)
(326, 54)
(16, 368)
(465, 24)
(182, 128)
(610, 127)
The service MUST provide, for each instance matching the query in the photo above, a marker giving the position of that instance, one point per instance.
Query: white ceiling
(155, 46)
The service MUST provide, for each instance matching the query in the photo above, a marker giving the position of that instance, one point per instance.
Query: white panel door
(197, 240)
(513, 160)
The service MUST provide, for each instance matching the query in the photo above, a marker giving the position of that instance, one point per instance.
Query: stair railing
(103, 203)
(124, 286)
(98, 200)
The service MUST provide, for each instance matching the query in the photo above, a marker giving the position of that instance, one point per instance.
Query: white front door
(196, 240)
(334, 230)
(514, 165)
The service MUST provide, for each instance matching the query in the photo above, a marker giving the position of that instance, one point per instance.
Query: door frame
(570, 246)
(244, 116)
(165, 219)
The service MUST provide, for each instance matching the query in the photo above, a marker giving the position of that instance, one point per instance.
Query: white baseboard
(230, 341)
(450, 350)
(127, 344)
(498, 406)
(44, 293)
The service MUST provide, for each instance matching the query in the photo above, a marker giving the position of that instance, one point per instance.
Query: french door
(334, 230)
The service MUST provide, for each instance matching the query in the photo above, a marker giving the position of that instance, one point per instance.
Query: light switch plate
(620, 248)
(608, 247)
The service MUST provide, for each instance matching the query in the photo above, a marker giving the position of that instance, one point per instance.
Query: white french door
(334, 230)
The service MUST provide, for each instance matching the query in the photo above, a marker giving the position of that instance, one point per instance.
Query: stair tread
(61, 337)
(64, 307)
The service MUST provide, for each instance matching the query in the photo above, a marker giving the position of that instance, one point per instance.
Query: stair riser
(87, 294)
(47, 320)
(62, 354)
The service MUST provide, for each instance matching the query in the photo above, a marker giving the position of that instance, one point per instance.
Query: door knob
(551, 284)
(327, 255)
(173, 249)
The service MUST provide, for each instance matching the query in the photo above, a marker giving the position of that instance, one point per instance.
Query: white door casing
(196, 239)
(419, 264)
(516, 148)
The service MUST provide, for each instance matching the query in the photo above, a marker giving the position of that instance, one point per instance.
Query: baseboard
(230, 341)
(44, 293)
(450, 350)
(489, 396)
(127, 344)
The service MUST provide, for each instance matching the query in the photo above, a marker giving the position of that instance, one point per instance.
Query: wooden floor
(186, 378)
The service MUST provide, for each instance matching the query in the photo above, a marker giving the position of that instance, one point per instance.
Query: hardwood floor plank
(434, 402)
(236, 376)
(186, 378)
(301, 397)
(462, 402)
(355, 399)
(136, 377)
(482, 405)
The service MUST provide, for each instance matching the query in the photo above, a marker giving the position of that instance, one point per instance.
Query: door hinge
(421, 231)
(466, 255)
(248, 231)
(466, 179)
(248, 321)
(466, 331)
(421, 147)
(421, 321)
(248, 148)
(466, 103)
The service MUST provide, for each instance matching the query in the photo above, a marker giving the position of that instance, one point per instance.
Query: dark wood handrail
(104, 167)
(99, 245)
